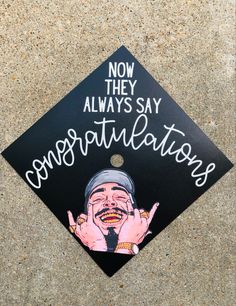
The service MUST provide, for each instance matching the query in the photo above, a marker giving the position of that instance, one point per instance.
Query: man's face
(109, 202)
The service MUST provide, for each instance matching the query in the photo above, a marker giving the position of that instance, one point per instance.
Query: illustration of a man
(111, 221)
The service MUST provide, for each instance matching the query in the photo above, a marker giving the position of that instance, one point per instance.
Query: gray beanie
(110, 176)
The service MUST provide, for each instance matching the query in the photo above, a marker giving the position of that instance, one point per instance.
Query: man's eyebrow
(97, 190)
(119, 188)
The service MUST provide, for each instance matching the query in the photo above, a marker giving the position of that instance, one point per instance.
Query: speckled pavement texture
(47, 48)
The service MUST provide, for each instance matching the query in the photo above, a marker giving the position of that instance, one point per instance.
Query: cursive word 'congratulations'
(64, 151)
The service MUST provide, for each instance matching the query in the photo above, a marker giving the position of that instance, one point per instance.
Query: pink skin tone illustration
(109, 205)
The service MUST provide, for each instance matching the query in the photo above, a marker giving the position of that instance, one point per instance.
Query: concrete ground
(47, 48)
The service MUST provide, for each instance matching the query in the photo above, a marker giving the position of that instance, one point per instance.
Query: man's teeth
(111, 217)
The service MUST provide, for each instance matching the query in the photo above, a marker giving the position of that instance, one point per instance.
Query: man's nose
(109, 203)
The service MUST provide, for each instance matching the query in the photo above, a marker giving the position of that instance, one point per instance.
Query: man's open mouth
(111, 217)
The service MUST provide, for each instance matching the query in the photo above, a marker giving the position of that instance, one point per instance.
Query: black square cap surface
(158, 175)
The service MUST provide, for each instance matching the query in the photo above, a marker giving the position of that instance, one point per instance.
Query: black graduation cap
(118, 109)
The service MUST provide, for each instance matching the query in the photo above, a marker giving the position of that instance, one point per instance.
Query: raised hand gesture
(88, 232)
(135, 228)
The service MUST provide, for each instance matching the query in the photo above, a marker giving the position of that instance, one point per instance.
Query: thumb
(148, 233)
(71, 218)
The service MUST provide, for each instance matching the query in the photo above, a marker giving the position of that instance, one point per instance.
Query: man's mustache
(106, 209)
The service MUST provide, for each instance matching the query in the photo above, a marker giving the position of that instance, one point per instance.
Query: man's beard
(111, 239)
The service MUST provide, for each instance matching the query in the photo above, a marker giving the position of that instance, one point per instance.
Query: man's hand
(135, 228)
(88, 232)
